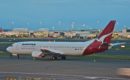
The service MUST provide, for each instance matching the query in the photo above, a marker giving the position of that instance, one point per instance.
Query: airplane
(59, 50)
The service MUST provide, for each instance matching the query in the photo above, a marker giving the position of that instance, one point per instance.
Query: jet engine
(37, 54)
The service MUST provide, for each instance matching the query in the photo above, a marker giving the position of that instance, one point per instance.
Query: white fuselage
(68, 48)
(41, 49)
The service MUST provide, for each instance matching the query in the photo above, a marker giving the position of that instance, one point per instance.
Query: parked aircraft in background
(56, 50)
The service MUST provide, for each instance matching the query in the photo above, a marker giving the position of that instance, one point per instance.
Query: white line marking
(49, 74)
(16, 64)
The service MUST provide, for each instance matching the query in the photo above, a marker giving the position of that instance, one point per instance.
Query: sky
(64, 14)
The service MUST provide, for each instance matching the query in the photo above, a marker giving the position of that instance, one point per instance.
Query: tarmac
(70, 69)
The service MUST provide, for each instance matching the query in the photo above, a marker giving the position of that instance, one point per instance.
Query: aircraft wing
(45, 52)
(48, 51)
(117, 44)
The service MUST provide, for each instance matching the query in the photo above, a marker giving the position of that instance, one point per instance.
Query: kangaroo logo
(101, 39)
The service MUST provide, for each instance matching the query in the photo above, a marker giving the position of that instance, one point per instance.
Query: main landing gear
(18, 56)
(63, 57)
(57, 57)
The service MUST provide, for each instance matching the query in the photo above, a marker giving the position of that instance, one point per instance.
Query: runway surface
(71, 69)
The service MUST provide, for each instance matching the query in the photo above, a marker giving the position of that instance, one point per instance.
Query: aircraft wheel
(63, 57)
(53, 58)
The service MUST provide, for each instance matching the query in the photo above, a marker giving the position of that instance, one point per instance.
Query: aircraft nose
(9, 49)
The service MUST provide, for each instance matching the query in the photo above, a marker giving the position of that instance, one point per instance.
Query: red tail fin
(101, 43)
(106, 34)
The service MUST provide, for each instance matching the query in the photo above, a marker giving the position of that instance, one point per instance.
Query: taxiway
(71, 69)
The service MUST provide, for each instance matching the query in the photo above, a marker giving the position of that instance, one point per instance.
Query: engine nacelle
(37, 54)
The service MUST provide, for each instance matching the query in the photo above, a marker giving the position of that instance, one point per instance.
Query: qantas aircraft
(59, 50)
